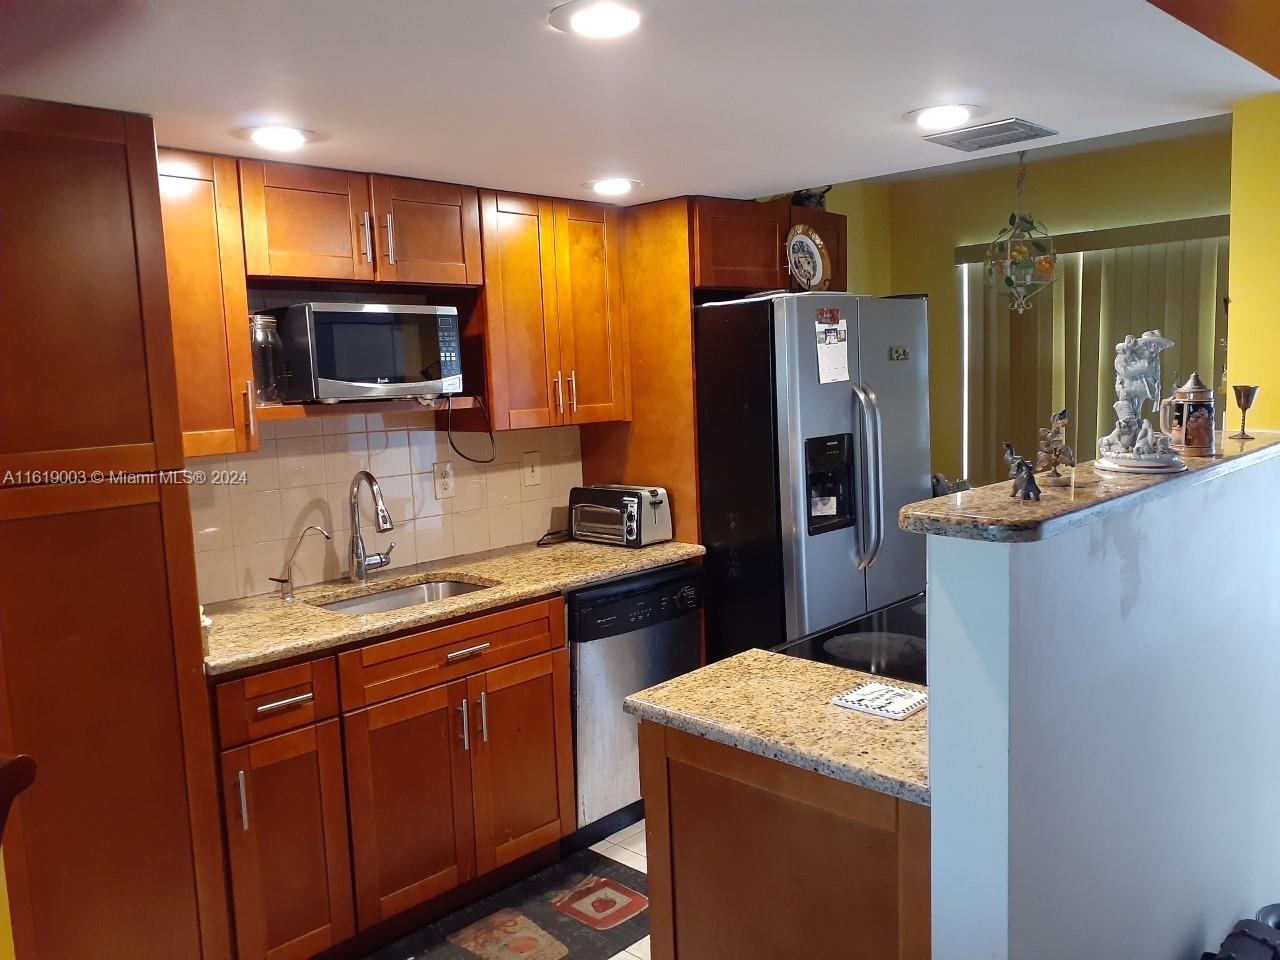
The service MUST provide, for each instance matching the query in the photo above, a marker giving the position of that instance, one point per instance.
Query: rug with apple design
(586, 907)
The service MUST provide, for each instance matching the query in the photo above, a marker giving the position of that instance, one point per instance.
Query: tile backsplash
(301, 475)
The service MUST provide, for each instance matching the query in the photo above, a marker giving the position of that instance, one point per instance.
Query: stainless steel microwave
(367, 351)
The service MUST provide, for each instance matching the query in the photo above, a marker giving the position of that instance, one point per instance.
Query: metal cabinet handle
(573, 390)
(251, 403)
(366, 223)
(285, 704)
(244, 802)
(391, 241)
(466, 724)
(484, 716)
(468, 652)
(559, 392)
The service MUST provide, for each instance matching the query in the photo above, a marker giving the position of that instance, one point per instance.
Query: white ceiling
(728, 97)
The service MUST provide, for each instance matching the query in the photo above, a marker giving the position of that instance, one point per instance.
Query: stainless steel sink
(402, 597)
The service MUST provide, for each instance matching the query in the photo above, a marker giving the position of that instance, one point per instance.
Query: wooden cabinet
(833, 229)
(426, 232)
(738, 244)
(86, 373)
(555, 330)
(522, 758)
(593, 328)
(204, 255)
(287, 838)
(306, 222)
(409, 769)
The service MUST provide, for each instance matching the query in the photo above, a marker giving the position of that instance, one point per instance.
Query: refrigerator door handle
(865, 501)
(876, 442)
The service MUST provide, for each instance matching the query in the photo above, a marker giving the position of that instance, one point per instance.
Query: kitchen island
(775, 818)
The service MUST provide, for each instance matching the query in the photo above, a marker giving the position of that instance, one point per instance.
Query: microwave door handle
(863, 520)
(876, 444)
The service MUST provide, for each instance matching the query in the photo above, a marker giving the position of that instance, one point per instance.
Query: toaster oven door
(598, 523)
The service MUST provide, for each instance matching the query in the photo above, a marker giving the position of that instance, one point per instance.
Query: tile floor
(628, 846)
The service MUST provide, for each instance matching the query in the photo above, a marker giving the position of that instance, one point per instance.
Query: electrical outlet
(531, 468)
(444, 480)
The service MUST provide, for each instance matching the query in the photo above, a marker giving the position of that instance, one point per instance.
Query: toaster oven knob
(631, 531)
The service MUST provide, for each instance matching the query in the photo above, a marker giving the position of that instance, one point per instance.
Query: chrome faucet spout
(362, 562)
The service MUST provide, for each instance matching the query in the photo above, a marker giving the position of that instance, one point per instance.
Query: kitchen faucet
(361, 562)
(286, 575)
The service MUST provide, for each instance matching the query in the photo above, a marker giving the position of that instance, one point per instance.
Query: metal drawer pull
(484, 716)
(244, 802)
(559, 392)
(368, 236)
(286, 703)
(391, 241)
(469, 652)
(466, 724)
(573, 391)
(251, 402)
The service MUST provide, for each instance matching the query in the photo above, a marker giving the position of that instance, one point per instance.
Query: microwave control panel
(450, 353)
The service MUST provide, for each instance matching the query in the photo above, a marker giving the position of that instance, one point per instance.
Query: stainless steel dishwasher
(624, 636)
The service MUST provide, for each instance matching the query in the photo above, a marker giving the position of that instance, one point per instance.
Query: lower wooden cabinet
(522, 758)
(287, 838)
(410, 785)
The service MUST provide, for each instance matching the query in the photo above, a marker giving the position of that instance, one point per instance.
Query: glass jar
(267, 354)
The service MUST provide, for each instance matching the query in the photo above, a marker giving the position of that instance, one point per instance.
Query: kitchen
(461, 448)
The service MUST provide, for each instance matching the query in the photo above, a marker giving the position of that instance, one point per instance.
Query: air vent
(987, 135)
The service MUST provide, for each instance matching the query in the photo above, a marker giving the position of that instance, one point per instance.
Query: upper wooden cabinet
(313, 223)
(306, 222)
(592, 325)
(833, 229)
(555, 330)
(738, 244)
(204, 253)
(86, 372)
(427, 232)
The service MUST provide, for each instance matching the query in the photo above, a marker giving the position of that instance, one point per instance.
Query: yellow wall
(1253, 332)
(913, 226)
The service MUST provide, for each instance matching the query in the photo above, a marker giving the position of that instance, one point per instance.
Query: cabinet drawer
(276, 701)
(422, 660)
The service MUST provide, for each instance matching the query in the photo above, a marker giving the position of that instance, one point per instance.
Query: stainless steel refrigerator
(813, 430)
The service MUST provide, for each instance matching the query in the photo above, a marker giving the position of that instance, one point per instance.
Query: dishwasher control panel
(620, 613)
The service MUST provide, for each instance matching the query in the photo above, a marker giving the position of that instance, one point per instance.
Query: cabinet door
(409, 776)
(86, 369)
(287, 836)
(428, 232)
(522, 337)
(204, 253)
(306, 222)
(593, 329)
(118, 842)
(521, 730)
(833, 229)
(738, 244)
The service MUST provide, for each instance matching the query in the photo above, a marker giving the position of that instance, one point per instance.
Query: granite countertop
(260, 630)
(989, 513)
(780, 707)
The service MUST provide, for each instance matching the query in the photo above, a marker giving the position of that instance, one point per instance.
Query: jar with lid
(267, 356)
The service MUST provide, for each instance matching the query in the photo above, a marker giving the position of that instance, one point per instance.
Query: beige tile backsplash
(301, 474)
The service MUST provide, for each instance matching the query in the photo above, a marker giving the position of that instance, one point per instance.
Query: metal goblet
(1245, 395)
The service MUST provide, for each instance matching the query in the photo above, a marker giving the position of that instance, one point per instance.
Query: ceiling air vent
(987, 135)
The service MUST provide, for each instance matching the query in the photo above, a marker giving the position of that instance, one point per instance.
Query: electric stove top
(888, 643)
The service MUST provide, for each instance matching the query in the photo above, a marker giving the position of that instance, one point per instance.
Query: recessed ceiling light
(945, 116)
(612, 186)
(276, 137)
(597, 19)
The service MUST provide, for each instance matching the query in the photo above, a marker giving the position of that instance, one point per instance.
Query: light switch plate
(444, 480)
(531, 468)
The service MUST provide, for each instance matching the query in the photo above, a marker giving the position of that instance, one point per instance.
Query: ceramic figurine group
(1134, 446)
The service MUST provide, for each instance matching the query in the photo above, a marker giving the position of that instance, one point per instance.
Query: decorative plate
(807, 259)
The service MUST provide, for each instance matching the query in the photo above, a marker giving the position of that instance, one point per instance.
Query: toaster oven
(620, 514)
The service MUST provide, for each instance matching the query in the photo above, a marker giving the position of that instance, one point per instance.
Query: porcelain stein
(1188, 417)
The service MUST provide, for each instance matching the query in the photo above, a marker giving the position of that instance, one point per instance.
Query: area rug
(586, 907)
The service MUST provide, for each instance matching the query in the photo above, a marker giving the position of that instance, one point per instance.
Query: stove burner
(878, 652)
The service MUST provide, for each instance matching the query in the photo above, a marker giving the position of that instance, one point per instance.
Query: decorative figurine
(1245, 396)
(1053, 451)
(1023, 475)
(1188, 417)
(943, 487)
(1133, 446)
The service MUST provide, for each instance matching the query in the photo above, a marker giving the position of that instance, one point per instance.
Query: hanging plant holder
(1021, 261)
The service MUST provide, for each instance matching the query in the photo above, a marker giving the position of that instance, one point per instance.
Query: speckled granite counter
(780, 707)
(260, 630)
(989, 513)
